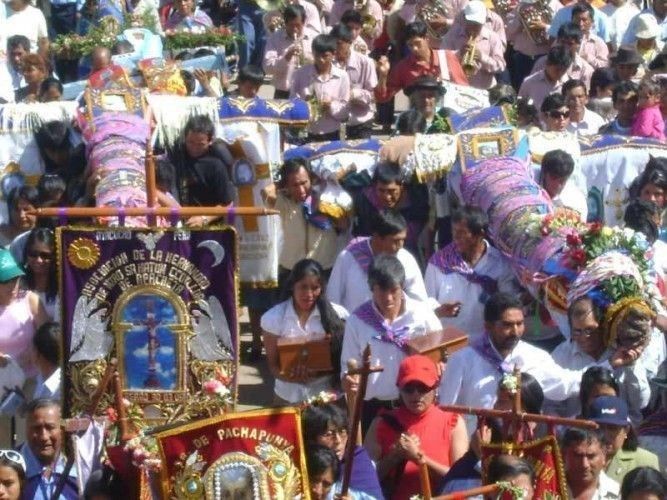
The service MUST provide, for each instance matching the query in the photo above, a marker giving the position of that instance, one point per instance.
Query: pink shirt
(334, 86)
(17, 328)
(275, 63)
(360, 70)
(537, 87)
(578, 70)
(340, 6)
(648, 122)
(594, 51)
(517, 36)
(492, 54)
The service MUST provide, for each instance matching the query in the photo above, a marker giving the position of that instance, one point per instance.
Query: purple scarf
(313, 215)
(449, 261)
(386, 332)
(360, 249)
(482, 346)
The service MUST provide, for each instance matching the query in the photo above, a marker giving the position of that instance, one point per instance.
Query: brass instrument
(529, 14)
(368, 22)
(468, 60)
(300, 55)
(503, 7)
(428, 10)
(272, 19)
(360, 47)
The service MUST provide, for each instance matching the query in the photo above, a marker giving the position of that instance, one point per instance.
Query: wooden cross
(365, 370)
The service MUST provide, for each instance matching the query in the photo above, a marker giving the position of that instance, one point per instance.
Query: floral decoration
(197, 37)
(510, 383)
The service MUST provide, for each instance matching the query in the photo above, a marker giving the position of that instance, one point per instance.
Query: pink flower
(213, 386)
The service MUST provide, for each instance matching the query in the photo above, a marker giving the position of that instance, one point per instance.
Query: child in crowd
(648, 121)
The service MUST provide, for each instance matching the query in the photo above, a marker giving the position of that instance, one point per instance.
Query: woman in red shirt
(416, 432)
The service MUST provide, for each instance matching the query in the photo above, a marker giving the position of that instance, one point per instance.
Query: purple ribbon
(62, 216)
(360, 249)
(482, 345)
(231, 214)
(449, 261)
(398, 336)
(121, 216)
(174, 216)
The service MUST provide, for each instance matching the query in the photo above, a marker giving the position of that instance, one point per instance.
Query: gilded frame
(182, 332)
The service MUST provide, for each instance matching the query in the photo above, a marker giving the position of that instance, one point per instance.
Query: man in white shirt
(461, 277)
(473, 373)
(17, 47)
(555, 172)
(584, 456)
(586, 348)
(386, 322)
(583, 121)
(347, 284)
(619, 14)
(24, 19)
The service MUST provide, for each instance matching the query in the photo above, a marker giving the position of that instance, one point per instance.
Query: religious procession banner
(163, 303)
(255, 455)
(544, 454)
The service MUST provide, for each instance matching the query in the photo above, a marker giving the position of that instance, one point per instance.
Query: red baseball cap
(417, 368)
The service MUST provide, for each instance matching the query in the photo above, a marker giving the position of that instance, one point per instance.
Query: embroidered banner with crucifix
(162, 303)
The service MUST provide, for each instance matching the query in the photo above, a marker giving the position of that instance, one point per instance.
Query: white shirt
(382, 385)
(619, 19)
(348, 283)
(608, 489)
(282, 321)
(472, 381)
(659, 258)
(454, 287)
(49, 388)
(6, 85)
(632, 380)
(589, 125)
(29, 22)
(572, 197)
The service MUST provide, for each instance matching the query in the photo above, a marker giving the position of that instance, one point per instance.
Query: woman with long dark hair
(12, 474)
(39, 262)
(307, 314)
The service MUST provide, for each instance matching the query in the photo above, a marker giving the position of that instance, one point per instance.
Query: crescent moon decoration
(216, 249)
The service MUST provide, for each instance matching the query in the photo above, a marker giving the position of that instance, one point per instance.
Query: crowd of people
(409, 259)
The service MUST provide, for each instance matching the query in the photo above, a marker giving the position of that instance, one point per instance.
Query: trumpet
(530, 14)
(301, 58)
(468, 59)
(429, 10)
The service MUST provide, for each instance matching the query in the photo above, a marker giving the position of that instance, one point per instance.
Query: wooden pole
(517, 408)
(526, 417)
(151, 189)
(482, 490)
(351, 402)
(364, 372)
(97, 396)
(143, 211)
(125, 434)
(425, 481)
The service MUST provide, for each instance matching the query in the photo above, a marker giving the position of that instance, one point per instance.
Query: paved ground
(255, 383)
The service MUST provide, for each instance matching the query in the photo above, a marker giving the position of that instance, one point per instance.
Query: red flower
(573, 239)
(578, 256)
(595, 227)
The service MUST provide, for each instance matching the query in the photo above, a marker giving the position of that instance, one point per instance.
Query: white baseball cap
(647, 26)
(475, 12)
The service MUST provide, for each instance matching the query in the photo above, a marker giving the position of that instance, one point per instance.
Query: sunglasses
(13, 456)
(418, 388)
(558, 114)
(41, 255)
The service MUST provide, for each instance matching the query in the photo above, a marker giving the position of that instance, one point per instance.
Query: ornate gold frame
(182, 331)
(469, 144)
(237, 458)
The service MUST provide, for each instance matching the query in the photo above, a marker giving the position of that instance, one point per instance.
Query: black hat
(627, 55)
(426, 82)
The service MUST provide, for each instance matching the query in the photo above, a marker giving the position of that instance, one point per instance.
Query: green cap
(9, 269)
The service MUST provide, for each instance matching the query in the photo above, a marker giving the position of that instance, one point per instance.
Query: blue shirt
(40, 487)
(564, 16)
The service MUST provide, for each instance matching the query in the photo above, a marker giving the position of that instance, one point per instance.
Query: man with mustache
(45, 463)
(473, 373)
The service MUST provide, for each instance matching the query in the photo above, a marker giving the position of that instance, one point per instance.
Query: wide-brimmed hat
(425, 83)
(475, 12)
(9, 269)
(647, 26)
(627, 55)
(417, 368)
